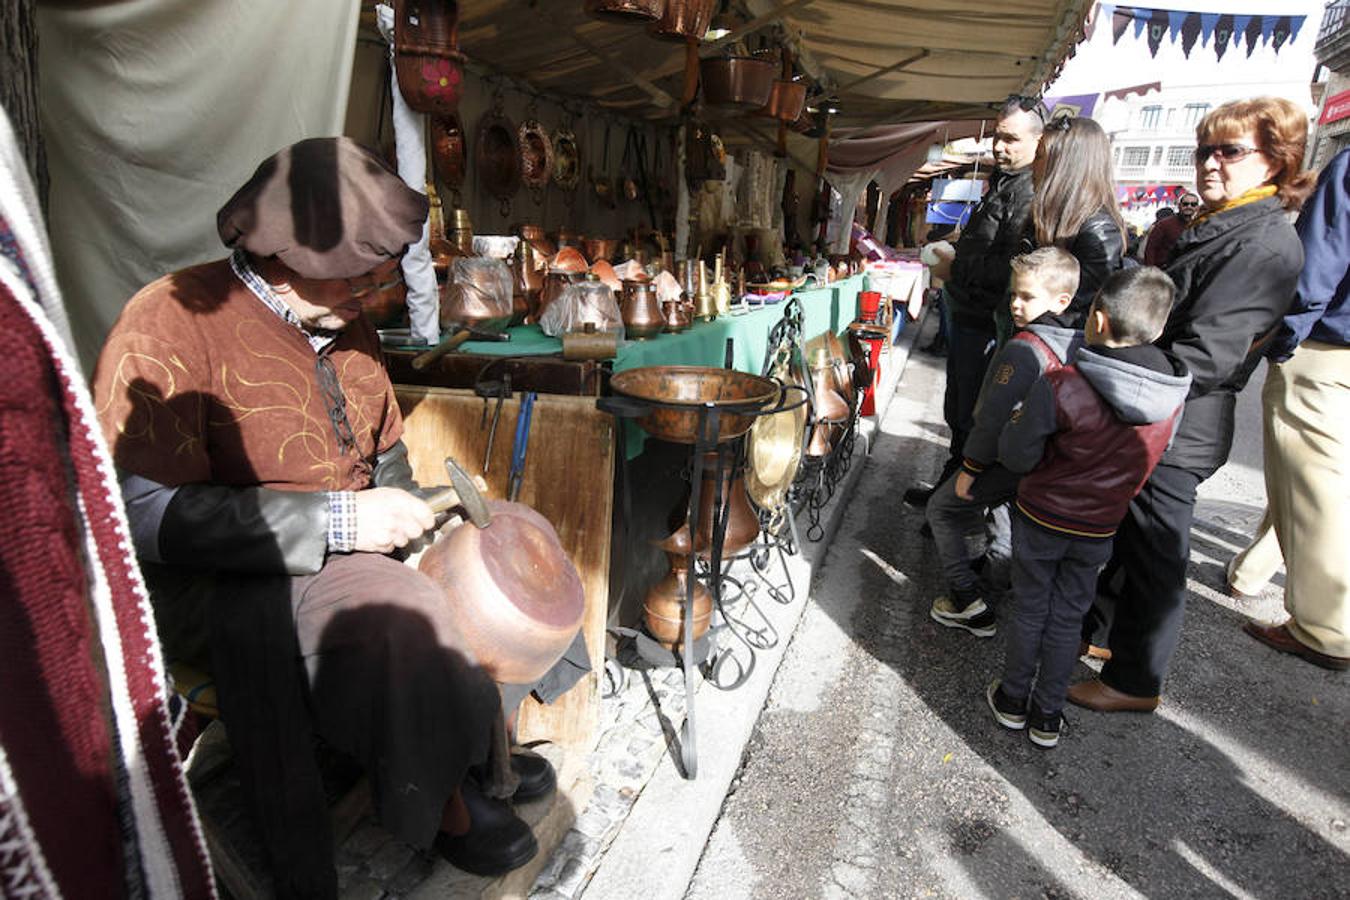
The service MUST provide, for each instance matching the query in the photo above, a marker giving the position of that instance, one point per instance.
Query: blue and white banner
(1274, 30)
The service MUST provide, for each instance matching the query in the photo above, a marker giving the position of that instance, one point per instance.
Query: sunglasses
(1224, 153)
(1029, 104)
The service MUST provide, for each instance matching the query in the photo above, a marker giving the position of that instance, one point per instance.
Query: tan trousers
(1307, 431)
(1258, 562)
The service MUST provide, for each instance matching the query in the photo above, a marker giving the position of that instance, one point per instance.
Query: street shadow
(1196, 799)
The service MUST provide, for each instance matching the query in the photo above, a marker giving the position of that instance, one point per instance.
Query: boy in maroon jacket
(1088, 436)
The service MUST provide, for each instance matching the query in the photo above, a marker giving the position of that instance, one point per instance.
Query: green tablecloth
(828, 308)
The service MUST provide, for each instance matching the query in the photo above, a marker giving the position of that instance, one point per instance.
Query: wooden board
(569, 477)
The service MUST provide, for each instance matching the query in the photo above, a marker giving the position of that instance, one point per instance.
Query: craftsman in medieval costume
(258, 442)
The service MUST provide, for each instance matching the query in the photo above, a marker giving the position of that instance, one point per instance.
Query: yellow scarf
(1256, 193)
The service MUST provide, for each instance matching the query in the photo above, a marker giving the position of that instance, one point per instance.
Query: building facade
(1333, 51)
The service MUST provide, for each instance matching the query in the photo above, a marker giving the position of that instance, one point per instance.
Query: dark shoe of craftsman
(1098, 695)
(919, 494)
(497, 841)
(537, 778)
(1278, 637)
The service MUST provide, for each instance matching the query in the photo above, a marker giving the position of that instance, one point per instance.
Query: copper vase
(663, 608)
(742, 523)
(677, 316)
(641, 313)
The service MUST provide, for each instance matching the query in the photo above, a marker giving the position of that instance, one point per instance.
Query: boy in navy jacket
(1088, 436)
(1042, 288)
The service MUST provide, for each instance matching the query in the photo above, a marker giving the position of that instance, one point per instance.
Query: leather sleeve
(392, 469)
(1098, 249)
(252, 529)
(981, 264)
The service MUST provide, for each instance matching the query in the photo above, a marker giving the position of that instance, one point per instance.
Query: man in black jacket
(977, 281)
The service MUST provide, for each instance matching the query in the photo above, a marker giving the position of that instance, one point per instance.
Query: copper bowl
(569, 259)
(682, 390)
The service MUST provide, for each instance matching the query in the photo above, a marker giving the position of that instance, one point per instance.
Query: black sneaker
(1007, 712)
(1044, 728)
(919, 494)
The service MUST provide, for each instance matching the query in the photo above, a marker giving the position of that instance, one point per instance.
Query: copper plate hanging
(426, 55)
(497, 157)
(536, 155)
(448, 150)
(633, 12)
(566, 160)
(684, 19)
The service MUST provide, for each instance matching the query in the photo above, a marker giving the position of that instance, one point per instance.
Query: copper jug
(535, 237)
(641, 313)
(677, 316)
(663, 606)
(742, 523)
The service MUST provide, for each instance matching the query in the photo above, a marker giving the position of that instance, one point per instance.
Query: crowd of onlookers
(1091, 390)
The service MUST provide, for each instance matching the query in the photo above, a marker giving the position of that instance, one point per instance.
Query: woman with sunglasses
(1235, 267)
(1074, 207)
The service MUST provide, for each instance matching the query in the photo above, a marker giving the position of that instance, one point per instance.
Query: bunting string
(1223, 30)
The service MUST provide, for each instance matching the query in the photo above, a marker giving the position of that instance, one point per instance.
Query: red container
(869, 307)
(874, 347)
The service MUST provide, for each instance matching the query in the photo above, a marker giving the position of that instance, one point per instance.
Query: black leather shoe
(497, 841)
(537, 778)
(919, 494)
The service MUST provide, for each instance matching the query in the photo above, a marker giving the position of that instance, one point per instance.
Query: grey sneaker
(972, 614)
(1007, 712)
(1044, 728)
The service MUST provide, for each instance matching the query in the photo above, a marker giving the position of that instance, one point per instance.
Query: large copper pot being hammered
(682, 390)
(511, 589)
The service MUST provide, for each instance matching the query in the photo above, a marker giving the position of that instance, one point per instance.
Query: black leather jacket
(1235, 274)
(979, 281)
(1099, 248)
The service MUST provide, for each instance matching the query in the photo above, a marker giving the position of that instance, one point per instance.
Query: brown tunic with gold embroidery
(201, 382)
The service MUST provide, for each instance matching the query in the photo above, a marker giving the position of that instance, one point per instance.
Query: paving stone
(391, 859)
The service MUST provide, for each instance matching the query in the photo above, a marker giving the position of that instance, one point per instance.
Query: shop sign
(1337, 107)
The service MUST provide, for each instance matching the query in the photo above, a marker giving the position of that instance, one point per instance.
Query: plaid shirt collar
(319, 339)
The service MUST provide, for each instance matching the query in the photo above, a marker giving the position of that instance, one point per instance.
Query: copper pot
(677, 316)
(605, 272)
(738, 82)
(684, 19)
(568, 237)
(626, 11)
(513, 593)
(597, 249)
(742, 523)
(787, 99)
(641, 313)
(535, 236)
(555, 282)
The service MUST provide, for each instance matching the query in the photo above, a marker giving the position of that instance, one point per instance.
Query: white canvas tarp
(155, 111)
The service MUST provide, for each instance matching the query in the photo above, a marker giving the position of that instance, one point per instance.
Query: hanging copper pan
(630, 12)
(566, 160)
(684, 19)
(536, 155)
(497, 157)
(737, 82)
(787, 99)
(448, 150)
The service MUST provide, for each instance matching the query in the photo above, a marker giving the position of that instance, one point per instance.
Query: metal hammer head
(469, 495)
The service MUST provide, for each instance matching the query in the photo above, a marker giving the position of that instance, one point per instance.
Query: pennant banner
(1154, 25)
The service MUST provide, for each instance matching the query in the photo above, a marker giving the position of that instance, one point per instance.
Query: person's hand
(388, 518)
(964, 482)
